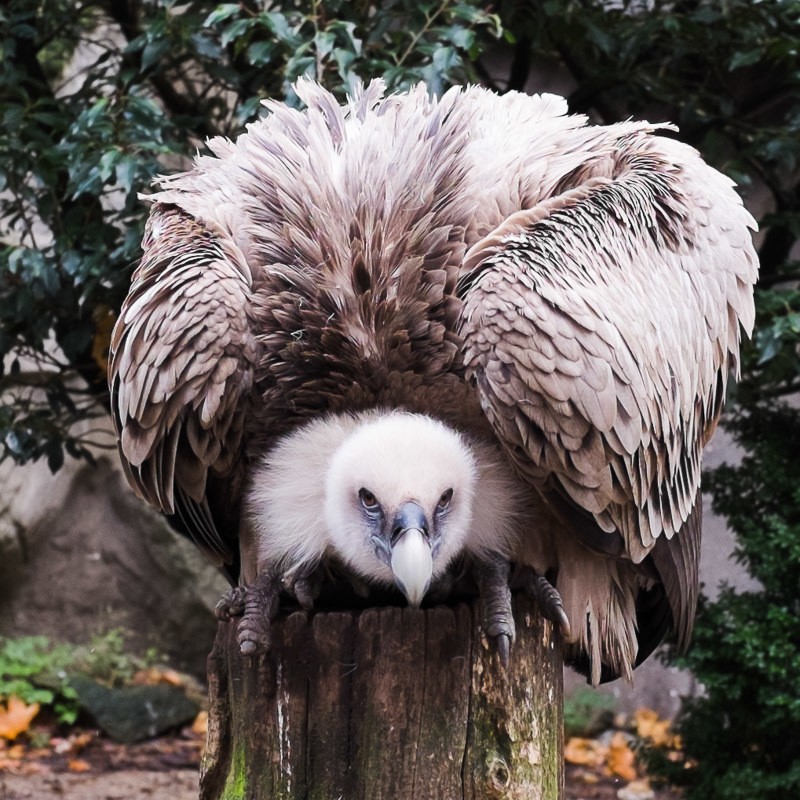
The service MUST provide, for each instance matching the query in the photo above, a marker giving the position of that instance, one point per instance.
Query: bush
(740, 736)
(37, 670)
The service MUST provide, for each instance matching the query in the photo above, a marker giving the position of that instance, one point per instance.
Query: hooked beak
(412, 560)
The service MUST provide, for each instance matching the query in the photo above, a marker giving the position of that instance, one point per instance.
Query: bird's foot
(231, 604)
(492, 576)
(304, 585)
(257, 605)
(547, 598)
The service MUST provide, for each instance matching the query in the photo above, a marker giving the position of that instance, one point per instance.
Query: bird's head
(398, 499)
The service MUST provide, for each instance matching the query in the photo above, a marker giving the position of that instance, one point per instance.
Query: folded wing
(600, 327)
(181, 367)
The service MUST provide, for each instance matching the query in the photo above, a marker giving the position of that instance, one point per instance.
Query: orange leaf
(200, 724)
(649, 726)
(80, 741)
(585, 752)
(16, 752)
(621, 759)
(78, 765)
(16, 717)
(156, 675)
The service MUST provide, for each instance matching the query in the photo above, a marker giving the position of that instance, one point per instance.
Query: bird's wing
(180, 369)
(599, 330)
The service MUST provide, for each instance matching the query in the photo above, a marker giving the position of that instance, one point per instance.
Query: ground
(87, 766)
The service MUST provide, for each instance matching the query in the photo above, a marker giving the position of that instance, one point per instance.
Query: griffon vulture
(407, 339)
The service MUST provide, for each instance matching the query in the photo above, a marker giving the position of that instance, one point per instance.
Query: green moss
(236, 782)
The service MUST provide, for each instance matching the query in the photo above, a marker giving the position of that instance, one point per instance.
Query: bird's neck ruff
(331, 490)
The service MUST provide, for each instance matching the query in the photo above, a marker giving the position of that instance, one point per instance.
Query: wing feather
(181, 365)
(602, 323)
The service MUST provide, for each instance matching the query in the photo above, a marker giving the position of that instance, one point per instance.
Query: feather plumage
(568, 295)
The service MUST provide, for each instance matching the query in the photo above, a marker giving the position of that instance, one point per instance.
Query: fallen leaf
(200, 724)
(156, 675)
(16, 717)
(649, 726)
(587, 777)
(78, 765)
(60, 745)
(80, 740)
(16, 752)
(584, 752)
(621, 759)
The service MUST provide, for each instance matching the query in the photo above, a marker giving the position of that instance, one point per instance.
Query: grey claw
(550, 603)
(502, 643)
(492, 575)
(302, 591)
(562, 622)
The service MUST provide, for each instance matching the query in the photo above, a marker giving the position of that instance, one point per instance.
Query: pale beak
(412, 565)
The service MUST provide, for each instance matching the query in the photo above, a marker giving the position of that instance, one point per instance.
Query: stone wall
(80, 554)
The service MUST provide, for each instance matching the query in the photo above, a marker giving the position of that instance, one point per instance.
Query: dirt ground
(167, 769)
(180, 784)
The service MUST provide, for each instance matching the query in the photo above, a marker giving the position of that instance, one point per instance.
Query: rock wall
(80, 554)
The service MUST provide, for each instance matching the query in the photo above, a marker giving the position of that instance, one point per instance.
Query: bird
(405, 340)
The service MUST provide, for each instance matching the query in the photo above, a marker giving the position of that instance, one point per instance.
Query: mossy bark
(386, 703)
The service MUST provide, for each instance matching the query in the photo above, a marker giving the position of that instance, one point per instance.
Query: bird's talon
(502, 645)
(304, 594)
(492, 576)
(231, 604)
(305, 587)
(549, 600)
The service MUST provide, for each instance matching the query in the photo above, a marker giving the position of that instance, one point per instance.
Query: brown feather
(574, 294)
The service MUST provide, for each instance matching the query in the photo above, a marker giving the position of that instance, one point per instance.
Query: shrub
(740, 736)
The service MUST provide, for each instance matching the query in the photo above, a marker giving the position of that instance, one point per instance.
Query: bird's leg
(257, 605)
(546, 596)
(492, 574)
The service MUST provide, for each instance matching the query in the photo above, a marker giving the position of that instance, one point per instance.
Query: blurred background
(98, 97)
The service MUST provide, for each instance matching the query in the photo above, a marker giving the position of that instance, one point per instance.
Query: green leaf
(260, 53)
(221, 13)
(236, 30)
(108, 162)
(746, 58)
(127, 170)
(154, 51)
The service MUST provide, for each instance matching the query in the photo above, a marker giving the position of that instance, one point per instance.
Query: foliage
(587, 712)
(98, 97)
(741, 732)
(34, 670)
(37, 670)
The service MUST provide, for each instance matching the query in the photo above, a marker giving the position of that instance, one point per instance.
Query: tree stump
(386, 703)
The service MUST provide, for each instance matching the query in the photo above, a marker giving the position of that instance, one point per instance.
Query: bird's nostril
(400, 530)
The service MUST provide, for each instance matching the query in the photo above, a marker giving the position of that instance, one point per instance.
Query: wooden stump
(386, 703)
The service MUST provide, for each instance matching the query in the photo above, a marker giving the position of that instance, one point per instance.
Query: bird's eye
(368, 500)
(444, 500)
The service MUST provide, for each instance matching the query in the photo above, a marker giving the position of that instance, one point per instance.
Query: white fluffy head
(399, 458)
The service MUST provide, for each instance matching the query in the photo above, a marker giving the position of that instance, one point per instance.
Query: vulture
(405, 342)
